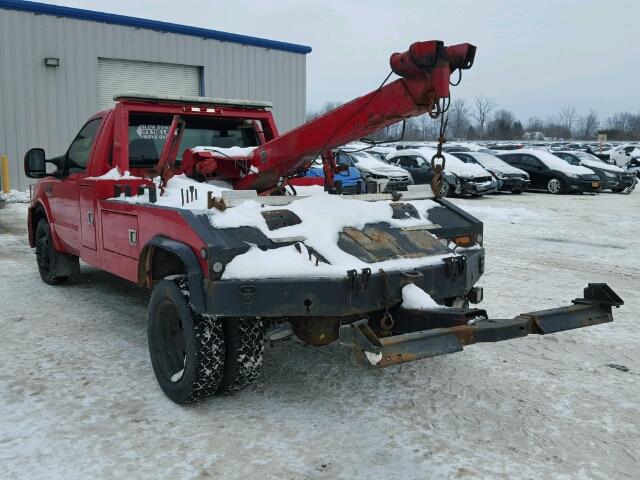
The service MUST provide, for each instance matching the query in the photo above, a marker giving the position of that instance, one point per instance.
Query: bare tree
(620, 121)
(326, 107)
(483, 108)
(567, 118)
(588, 124)
(458, 119)
(429, 128)
(504, 126)
(535, 124)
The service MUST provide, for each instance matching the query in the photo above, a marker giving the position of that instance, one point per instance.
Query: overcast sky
(533, 57)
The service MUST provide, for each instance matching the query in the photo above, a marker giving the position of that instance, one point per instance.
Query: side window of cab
(78, 153)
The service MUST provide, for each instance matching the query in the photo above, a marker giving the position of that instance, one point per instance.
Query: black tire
(243, 355)
(45, 254)
(554, 186)
(516, 192)
(179, 337)
(618, 190)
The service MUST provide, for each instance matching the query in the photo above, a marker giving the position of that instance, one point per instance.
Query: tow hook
(455, 266)
(359, 283)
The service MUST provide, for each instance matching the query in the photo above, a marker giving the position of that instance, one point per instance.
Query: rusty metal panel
(377, 243)
(280, 218)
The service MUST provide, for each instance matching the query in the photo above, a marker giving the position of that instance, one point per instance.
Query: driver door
(64, 193)
(536, 171)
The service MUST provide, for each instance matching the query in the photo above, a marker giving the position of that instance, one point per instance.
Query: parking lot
(78, 398)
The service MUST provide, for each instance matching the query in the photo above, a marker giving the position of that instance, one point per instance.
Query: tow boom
(425, 70)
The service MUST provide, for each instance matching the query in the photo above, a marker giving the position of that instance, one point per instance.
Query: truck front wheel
(187, 349)
(46, 255)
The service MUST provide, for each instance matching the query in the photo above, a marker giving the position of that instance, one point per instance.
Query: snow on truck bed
(323, 218)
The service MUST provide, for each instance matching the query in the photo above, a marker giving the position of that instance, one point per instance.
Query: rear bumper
(449, 331)
(356, 293)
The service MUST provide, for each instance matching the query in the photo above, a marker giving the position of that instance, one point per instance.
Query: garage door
(117, 76)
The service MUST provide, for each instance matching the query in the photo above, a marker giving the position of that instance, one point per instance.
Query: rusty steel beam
(593, 309)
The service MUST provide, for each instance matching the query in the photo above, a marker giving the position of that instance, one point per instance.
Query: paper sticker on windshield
(153, 132)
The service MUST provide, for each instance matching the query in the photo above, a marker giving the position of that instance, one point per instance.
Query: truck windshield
(148, 132)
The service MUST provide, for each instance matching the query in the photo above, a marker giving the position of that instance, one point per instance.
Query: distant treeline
(483, 119)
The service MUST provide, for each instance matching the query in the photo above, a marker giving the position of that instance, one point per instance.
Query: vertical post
(4, 171)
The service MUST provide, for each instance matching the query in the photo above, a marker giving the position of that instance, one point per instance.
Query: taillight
(467, 240)
(463, 240)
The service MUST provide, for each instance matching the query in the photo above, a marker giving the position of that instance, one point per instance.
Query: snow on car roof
(589, 160)
(452, 164)
(491, 161)
(555, 163)
(367, 161)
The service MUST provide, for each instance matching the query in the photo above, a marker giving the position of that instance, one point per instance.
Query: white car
(460, 178)
(463, 147)
(375, 171)
(622, 154)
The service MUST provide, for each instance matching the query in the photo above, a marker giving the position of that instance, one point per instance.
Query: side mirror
(35, 163)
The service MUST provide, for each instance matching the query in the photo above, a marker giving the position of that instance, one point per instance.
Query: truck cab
(128, 138)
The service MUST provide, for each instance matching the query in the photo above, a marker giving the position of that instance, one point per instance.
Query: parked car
(380, 152)
(464, 147)
(509, 178)
(388, 177)
(612, 177)
(600, 150)
(622, 154)
(504, 146)
(552, 174)
(634, 167)
(459, 178)
(603, 152)
(350, 181)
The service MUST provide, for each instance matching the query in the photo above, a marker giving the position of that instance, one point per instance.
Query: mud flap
(593, 309)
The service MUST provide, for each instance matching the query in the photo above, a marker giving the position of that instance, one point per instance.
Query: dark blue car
(351, 179)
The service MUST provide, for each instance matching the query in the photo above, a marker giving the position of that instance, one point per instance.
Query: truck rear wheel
(244, 347)
(45, 255)
(187, 349)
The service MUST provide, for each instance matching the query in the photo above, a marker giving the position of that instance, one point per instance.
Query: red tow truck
(104, 201)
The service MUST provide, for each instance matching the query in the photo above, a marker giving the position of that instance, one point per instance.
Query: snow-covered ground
(78, 398)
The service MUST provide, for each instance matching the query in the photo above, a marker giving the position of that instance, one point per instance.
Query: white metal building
(59, 65)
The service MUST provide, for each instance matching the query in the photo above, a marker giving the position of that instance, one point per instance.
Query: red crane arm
(426, 68)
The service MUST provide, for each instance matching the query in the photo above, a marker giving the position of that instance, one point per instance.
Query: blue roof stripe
(81, 14)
